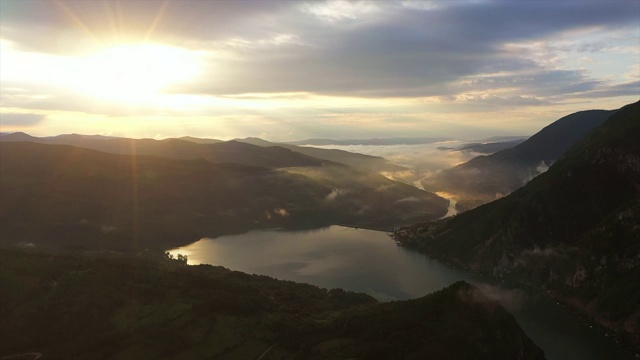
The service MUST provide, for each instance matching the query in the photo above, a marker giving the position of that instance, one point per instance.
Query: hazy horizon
(286, 71)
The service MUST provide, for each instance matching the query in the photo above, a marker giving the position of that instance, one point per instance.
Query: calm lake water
(369, 261)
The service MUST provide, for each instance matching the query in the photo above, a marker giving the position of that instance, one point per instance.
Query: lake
(369, 261)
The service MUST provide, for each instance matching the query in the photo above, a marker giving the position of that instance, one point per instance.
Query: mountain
(485, 178)
(504, 138)
(187, 147)
(60, 195)
(573, 231)
(199, 140)
(374, 163)
(217, 152)
(18, 136)
(370, 142)
(114, 306)
(489, 147)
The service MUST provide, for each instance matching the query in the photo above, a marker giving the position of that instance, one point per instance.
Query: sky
(292, 70)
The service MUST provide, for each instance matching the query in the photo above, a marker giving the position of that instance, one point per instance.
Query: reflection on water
(369, 261)
(358, 260)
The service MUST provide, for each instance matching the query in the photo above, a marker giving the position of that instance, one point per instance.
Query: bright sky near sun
(290, 70)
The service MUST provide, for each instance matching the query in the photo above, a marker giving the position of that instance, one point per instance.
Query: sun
(133, 72)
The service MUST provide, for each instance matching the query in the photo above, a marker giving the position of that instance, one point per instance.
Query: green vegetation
(573, 231)
(115, 306)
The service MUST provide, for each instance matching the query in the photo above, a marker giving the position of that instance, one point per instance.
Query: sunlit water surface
(369, 261)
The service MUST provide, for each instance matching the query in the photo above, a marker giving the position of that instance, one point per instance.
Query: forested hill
(574, 230)
(109, 306)
(248, 151)
(59, 195)
(182, 149)
(485, 178)
(374, 163)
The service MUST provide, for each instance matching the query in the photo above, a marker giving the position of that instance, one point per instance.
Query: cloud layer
(439, 56)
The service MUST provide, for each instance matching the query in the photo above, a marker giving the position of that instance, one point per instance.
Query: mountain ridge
(66, 195)
(371, 142)
(487, 177)
(573, 231)
(257, 152)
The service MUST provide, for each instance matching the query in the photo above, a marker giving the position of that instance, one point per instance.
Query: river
(369, 261)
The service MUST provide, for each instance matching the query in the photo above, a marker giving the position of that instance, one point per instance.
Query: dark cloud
(55, 26)
(540, 82)
(415, 53)
(273, 46)
(631, 88)
(500, 21)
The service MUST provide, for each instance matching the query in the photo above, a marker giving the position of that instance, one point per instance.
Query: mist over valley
(132, 195)
(331, 179)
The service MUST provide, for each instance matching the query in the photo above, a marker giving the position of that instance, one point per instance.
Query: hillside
(59, 195)
(371, 142)
(248, 151)
(485, 178)
(184, 149)
(199, 140)
(573, 231)
(374, 163)
(489, 148)
(110, 306)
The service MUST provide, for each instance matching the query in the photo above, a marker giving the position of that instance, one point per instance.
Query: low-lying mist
(422, 160)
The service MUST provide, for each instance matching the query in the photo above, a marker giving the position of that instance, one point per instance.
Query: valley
(319, 179)
(367, 262)
(61, 195)
(572, 231)
(143, 196)
(153, 305)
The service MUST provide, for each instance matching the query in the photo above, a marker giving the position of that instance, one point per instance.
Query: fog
(511, 299)
(422, 160)
(337, 192)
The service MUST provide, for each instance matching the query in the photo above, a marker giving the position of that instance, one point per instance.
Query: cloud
(73, 26)
(337, 10)
(422, 160)
(336, 47)
(511, 299)
(281, 212)
(336, 68)
(540, 168)
(17, 119)
(270, 214)
(631, 88)
(410, 199)
(337, 192)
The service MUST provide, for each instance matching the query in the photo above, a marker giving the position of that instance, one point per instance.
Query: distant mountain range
(372, 142)
(340, 156)
(489, 147)
(485, 178)
(249, 151)
(573, 231)
(180, 191)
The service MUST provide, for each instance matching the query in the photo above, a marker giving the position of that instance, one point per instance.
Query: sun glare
(133, 72)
